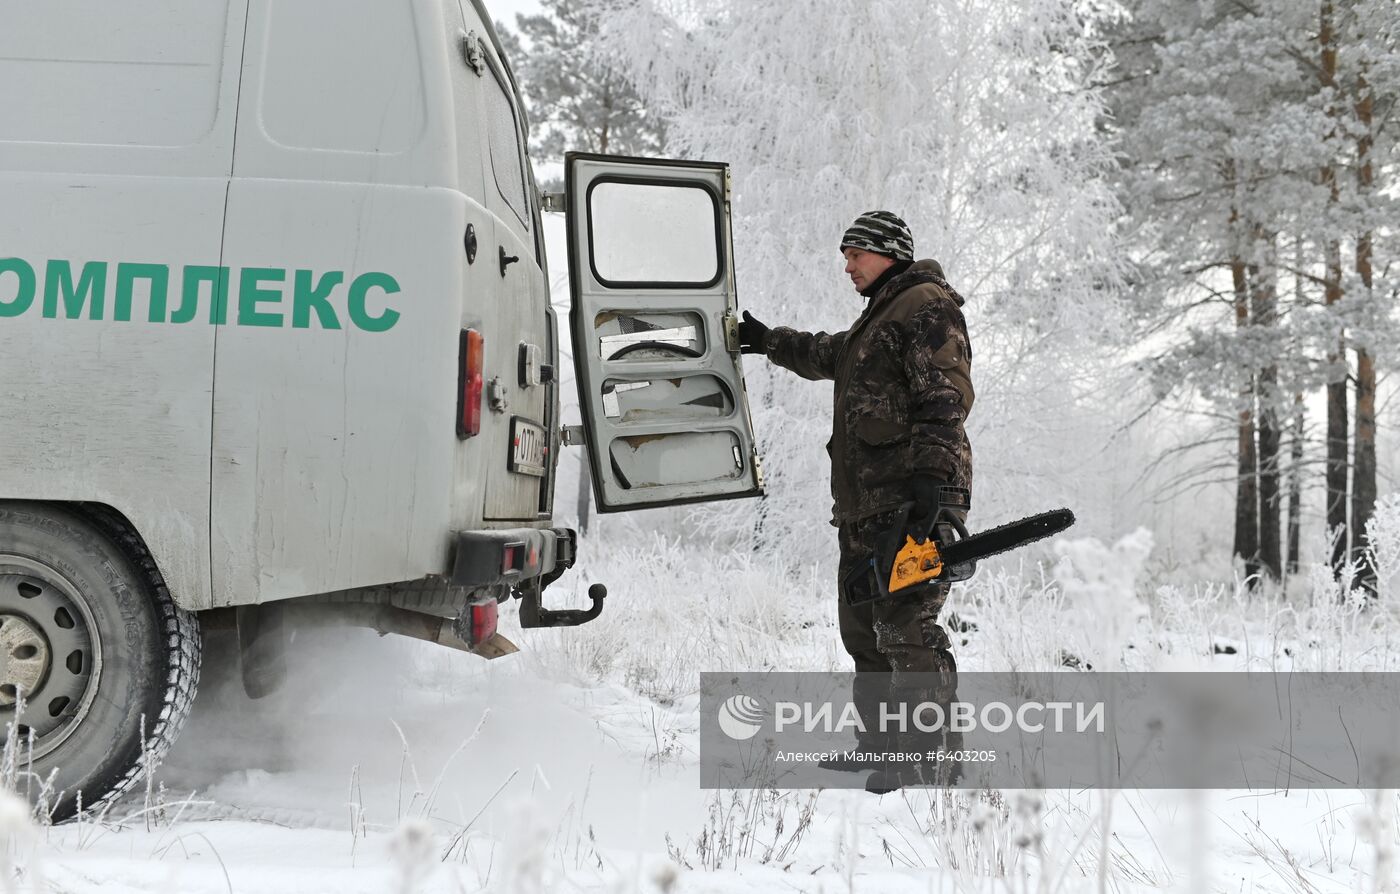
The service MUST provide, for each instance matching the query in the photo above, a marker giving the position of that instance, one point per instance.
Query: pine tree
(1337, 448)
(1245, 125)
(1374, 75)
(1358, 44)
(578, 96)
(1214, 120)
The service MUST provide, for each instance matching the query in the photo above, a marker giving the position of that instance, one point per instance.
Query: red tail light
(483, 623)
(471, 383)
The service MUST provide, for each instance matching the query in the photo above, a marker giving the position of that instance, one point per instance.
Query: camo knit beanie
(882, 233)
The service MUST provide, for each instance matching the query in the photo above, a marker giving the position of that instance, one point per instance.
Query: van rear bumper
(511, 556)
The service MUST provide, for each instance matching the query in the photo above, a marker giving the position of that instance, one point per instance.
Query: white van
(276, 345)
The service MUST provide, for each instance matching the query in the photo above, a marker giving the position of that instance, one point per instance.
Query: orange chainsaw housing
(915, 563)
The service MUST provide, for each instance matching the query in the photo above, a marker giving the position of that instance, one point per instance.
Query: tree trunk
(1263, 279)
(1270, 502)
(1295, 483)
(1363, 496)
(1337, 388)
(1247, 493)
(1247, 479)
(1297, 428)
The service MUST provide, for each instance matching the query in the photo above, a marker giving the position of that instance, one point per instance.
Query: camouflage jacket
(903, 391)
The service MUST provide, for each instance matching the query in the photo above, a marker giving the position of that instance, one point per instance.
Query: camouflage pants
(894, 635)
(892, 639)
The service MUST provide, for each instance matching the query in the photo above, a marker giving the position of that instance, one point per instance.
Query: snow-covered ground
(388, 765)
(392, 766)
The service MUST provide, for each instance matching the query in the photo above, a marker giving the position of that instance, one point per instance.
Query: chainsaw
(943, 551)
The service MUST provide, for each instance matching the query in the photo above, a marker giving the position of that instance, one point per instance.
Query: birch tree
(975, 120)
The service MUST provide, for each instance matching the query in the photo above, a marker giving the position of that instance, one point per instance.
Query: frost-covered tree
(578, 97)
(1241, 180)
(1368, 82)
(975, 120)
(1216, 130)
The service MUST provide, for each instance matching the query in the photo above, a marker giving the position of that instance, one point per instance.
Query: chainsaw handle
(947, 501)
(961, 571)
(958, 526)
(944, 515)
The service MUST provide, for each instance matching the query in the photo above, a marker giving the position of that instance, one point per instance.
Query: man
(903, 390)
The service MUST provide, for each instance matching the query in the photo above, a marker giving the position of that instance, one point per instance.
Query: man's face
(864, 267)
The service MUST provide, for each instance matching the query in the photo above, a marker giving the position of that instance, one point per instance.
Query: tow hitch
(531, 593)
(526, 561)
(534, 614)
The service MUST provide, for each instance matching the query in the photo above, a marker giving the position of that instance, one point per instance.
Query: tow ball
(534, 614)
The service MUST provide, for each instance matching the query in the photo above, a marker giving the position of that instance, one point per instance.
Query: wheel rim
(49, 655)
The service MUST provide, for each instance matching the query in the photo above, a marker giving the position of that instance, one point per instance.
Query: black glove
(929, 496)
(751, 335)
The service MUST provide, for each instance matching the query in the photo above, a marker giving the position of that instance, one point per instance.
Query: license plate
(528, 447)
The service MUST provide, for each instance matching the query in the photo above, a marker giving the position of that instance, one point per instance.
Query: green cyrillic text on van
(306, 298)
(65, 296)
(92, 284)
(157, 278)
(218, 279)
(250, 295)
(22, 298)
(359, 289)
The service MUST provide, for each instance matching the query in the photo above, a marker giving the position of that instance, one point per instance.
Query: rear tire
(106, 663)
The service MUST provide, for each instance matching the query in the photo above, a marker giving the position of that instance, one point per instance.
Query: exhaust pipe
(263, 633)
(385, 619)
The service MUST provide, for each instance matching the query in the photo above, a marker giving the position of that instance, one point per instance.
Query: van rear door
(653, 322)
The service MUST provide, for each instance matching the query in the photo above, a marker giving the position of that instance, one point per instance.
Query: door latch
(731, 332)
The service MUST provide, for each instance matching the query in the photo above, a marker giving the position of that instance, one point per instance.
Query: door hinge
(472, 54)
(728, 185)
(553, 201)
(573, 436)
(731, 332)
(757, 468)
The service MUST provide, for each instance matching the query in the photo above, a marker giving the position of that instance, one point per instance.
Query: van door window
(653, 233)
(507, 164)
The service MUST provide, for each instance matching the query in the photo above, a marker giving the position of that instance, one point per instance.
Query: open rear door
(653, 320)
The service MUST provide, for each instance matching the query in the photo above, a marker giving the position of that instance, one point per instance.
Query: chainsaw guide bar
(941, 556)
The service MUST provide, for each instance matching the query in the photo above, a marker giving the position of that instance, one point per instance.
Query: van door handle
(506, 260)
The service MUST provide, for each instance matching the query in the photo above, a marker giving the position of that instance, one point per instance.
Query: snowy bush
(1100, 585)
(1383, 546)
